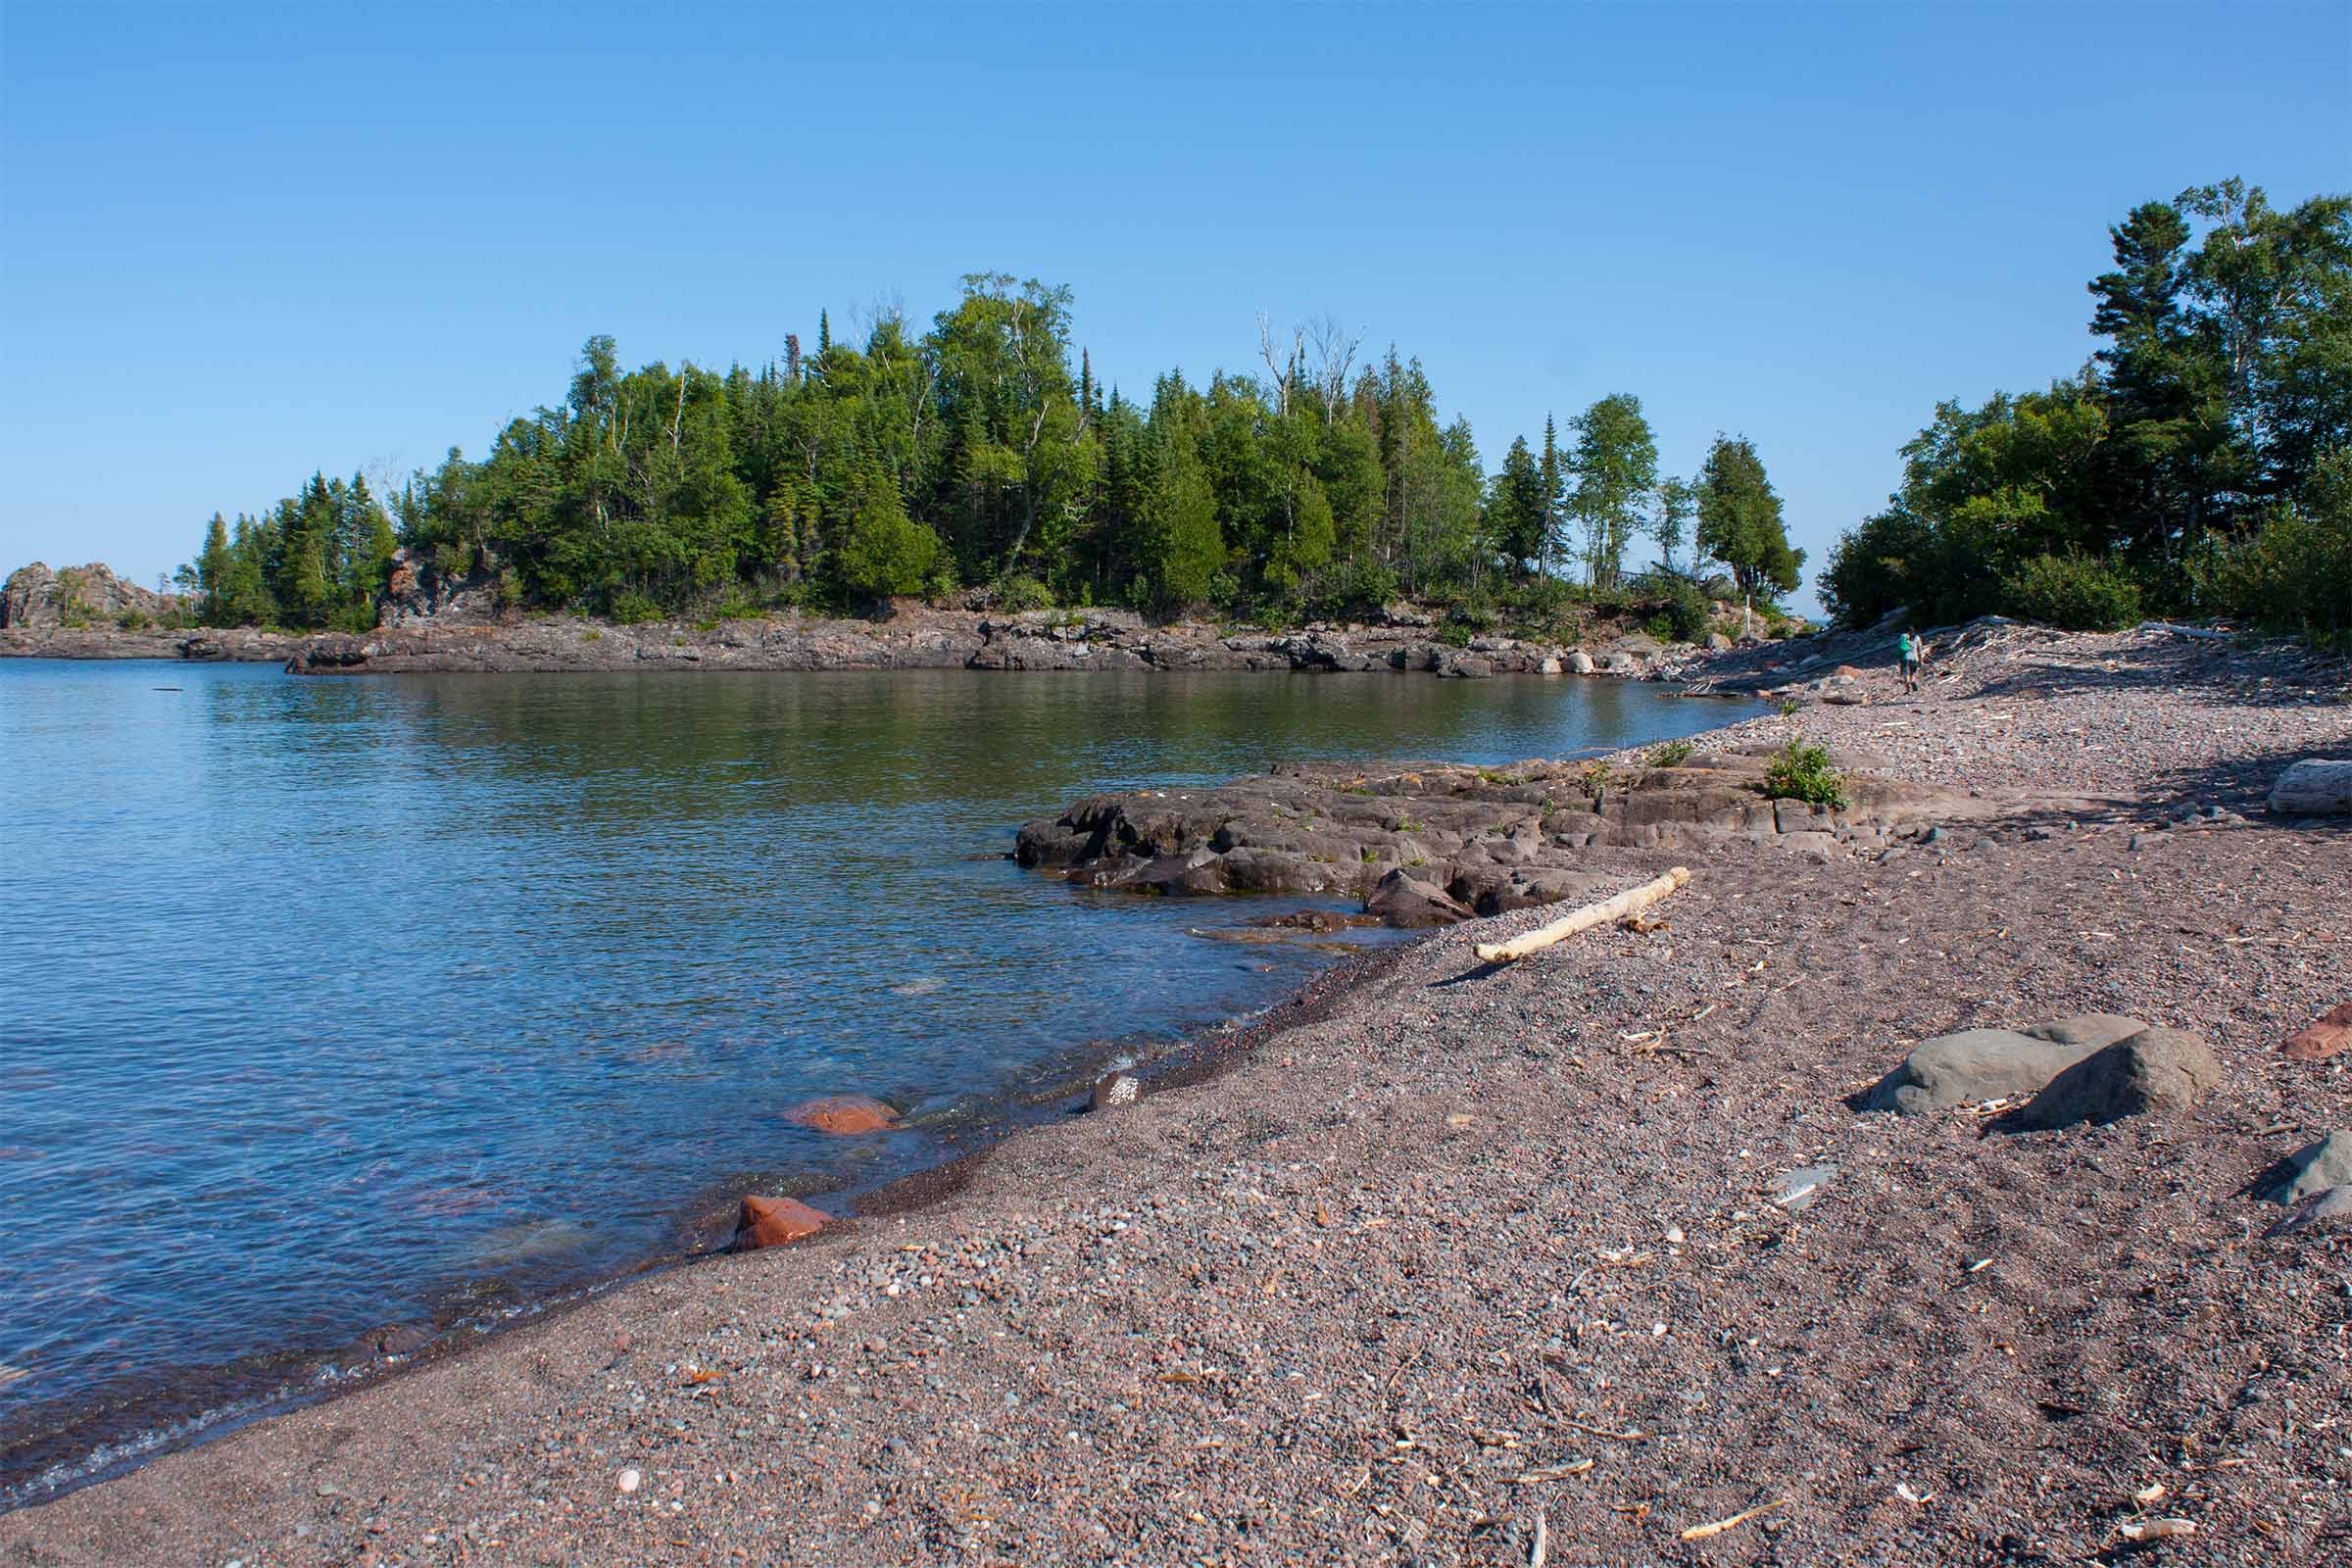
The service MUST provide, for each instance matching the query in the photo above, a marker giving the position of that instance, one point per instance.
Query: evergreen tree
(1740, 521)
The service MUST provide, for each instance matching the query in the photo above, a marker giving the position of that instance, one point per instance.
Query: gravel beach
(1579, 1257)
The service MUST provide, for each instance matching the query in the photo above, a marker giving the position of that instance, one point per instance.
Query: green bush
(2293, 573)
(1356, 590)
(1802, 772)
(1682, 614)
(630, 608)
(2078, 593)
(1019, 594)
(1669, 754)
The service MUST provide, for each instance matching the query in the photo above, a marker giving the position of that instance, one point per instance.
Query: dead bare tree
(1332, 347)
(1284, 375)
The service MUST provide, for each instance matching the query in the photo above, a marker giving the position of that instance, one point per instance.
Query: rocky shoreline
(1610, 1242)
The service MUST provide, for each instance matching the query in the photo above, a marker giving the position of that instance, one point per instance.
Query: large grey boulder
(1970, 1066)
(2155, 1071)
(2313, 787)
(1580, 661)
(2313, 1169)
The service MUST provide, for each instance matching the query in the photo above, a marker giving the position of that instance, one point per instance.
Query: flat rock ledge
(1427, 844)
(919, 637)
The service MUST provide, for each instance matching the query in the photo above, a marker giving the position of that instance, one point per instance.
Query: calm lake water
(332, 1005)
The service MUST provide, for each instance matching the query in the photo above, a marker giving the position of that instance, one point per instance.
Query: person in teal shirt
(1906, 648)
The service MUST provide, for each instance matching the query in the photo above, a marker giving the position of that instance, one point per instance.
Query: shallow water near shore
(336, 1005)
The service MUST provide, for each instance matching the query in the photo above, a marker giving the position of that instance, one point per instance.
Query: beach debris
(1556, 1472)
(1718, 1527)
(844, 1116)
(1536, 1552)
(2139, 1530)
(1800, 1189)
(1584, 919)
(2325, 1037)
(1117, 1089)
(775, 1222)
(1903, 1489)
(2148, 1494)
(629, 1481)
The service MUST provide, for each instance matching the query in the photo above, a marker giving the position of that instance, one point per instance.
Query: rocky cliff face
(419, 594)
(35, 596)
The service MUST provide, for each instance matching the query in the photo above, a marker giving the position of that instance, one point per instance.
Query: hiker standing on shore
(1906, 650)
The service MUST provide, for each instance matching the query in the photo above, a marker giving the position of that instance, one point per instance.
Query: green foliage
(2220, 397)
(2074, 592)
(1802, 772)
(2293, 572)
(883, 551)
(631, 608)
(1668, 753)
(1683, 618)
(1021, 593)
(1740, 521)
(1616, 467)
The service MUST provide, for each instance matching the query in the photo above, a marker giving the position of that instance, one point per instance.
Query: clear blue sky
(241, 243)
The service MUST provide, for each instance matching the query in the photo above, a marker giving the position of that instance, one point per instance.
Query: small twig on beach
(1535, 1555)
(1702, 1532)
(1557, 1472)
(1604, 1431)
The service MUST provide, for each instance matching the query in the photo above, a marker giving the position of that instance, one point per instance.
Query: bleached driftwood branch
(1584, 919)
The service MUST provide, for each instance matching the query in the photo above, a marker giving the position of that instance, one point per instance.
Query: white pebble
(1674, 1235)
(629, 1480)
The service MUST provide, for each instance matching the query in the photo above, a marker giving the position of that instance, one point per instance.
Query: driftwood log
(1584, 919)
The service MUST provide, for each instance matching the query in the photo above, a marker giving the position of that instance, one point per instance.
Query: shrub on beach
(1802, 772)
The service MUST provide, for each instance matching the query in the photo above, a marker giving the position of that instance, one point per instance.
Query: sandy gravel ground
(1448, 1261)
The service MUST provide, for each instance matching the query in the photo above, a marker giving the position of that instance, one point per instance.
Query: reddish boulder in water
(774, 1222)
(2327, 1037)
(846, 1114)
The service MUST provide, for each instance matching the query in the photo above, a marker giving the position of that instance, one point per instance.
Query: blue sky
(241, 243)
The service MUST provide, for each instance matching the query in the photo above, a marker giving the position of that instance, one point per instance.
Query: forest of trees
(986, 454)
(2201, 463)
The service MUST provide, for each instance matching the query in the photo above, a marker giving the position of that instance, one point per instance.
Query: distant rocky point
(78, 596)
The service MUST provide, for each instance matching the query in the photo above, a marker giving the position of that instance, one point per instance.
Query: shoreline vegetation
(1583, 1231)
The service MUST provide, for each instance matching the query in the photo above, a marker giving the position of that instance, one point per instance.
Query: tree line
(2200, 462)
(985, 452)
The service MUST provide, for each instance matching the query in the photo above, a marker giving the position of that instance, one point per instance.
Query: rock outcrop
(34, 598)
(2314, 787)
(1425, 844)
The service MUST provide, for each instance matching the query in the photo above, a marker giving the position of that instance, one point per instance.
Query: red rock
(845, 1114)
(775, 1222)
(2323, 1039)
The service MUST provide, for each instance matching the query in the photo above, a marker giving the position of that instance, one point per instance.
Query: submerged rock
(775, 1222)
(845, 1115)
(2156, 1072)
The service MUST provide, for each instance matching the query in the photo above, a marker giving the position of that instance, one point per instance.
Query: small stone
(775, 1222)
(1117, 1089)
(2330, 1035)
(2313, 1169)
(629, 1481)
